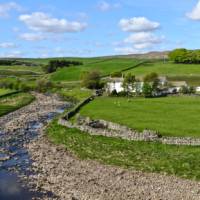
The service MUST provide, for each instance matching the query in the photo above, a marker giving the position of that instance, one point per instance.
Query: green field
(104, 66)
(76, 94)
(14, 102)
(167, 69)
(181, 161)
(21, 68)
(170, 116)
(5, 91)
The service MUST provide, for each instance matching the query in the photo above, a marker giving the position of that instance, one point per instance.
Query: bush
(114, 93)
(185, 56)
(92, 80)
(116, 74)
(147, 90)
(187, 90)
(53, 65)
(43, 85)
(151, 77)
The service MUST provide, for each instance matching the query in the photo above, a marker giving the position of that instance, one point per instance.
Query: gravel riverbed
(69, 178)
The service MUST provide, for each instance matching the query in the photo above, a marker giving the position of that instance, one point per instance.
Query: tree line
(53, 65)
(185, 56)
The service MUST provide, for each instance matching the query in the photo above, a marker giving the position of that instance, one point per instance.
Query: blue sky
(88, 28)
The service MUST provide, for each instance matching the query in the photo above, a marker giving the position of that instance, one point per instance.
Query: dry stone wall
(110, 129)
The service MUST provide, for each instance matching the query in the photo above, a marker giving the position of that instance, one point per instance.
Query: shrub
(147, 90)
(53, 65)
(91, 80)
(187, 90)
(151, 77)
(114, 93)
(116, 74)
(43, 85)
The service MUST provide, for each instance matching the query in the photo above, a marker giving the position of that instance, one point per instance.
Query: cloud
(138, 24)
(105, 6)
(42, 22)
(195, 13)
(7, 45)
(5, 8)
(32, 37)
(144, 40)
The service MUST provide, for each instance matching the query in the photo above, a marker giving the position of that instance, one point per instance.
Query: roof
(178, 83)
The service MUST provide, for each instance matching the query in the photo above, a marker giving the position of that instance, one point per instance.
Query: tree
(153, 80)
(91, 80)
(147, 90)
(53, 65)
(185, 56)
(129, 83)
(151, 77)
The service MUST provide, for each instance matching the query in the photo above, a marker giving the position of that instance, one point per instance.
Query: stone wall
(110, 129)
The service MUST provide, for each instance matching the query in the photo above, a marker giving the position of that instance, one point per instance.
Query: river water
(15, 160)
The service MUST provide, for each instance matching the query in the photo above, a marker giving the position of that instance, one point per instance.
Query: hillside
(149, 55)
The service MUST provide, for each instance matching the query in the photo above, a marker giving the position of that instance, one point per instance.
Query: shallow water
(14, 157)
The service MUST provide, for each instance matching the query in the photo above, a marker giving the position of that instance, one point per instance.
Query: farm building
(167, 87)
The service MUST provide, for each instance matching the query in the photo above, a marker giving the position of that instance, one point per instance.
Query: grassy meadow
(170, 116)
(5, 91)
(106, 67)
(181, 161)
(14, 102)
(167, 69)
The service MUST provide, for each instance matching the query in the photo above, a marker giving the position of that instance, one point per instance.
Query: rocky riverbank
(65, 177)
(17, 129)
(70, 178)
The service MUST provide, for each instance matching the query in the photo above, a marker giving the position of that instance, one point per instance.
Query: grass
(167, 69)
(182, 161)
(170, 116)
(76, 94)
(21, 68)
(5, 91)
(17, 73)
(14, 102)
(104, 66)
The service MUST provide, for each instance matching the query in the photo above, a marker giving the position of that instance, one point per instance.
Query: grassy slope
(105, 67)
(5, 91)
(14, 102)
(76, 94)
(169, 69)
(172, 116)
(182, 161)
(21, 68)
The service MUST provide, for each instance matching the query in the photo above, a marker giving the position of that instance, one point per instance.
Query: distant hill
(149, 55)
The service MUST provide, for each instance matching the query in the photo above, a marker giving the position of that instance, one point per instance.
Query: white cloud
(7, 45)
(42, 22)
(195, 13)
(32, 37)
(105, 6)
(143, 38)
(138, 24)
(5, 8)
